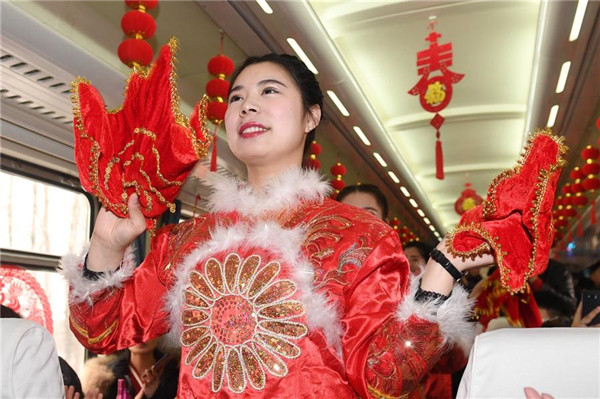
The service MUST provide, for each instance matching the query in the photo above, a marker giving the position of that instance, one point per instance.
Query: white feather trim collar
(283, 191)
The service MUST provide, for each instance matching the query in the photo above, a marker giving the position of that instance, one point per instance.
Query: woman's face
(265, 121)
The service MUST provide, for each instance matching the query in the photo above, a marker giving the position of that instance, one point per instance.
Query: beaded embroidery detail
(238, 322)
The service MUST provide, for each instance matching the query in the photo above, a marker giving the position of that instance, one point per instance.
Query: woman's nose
(249, 106)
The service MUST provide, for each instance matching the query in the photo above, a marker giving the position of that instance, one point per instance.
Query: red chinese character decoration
(435, 90)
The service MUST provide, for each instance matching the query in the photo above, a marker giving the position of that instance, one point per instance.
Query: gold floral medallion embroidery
(238, 322)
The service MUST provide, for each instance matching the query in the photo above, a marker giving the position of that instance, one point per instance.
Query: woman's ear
(313, 118)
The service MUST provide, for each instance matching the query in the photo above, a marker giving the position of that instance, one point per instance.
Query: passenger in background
(555, 295)
(417, 253)
(366, 196)
(30, 367)
(138, 366)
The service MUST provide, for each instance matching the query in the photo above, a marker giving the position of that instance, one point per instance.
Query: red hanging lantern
(313, 151)
(221, 67)
(591, 183)
(218, 89)
(338, 171)
(138, 25)
(468, 199)
(395, 223)
(435, 92)
(135, 52)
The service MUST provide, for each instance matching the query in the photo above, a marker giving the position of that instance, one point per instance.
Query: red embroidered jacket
(305, 302)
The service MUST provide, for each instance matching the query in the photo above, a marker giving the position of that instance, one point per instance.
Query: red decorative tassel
(570, 236)
(579, 227)
(593, 215)
(439, 158)
(213, 156)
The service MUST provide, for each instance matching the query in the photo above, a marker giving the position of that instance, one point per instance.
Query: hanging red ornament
(138, 25)
(576, 173)
(338, 171)
(468, 199)
(135, 52)
(435, 92)
(217, 88)
(312, 162)
(395, 223)
(589, 154)
(591, 167)
(221, 67)
(315, 148)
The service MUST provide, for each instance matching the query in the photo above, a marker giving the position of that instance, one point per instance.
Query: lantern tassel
(593, 211)
(213, 156)
(439, 158)
(579, 227)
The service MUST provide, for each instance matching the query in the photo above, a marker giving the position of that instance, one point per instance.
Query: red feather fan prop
(146, 146)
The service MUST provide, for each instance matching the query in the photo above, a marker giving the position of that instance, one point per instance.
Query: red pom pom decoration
(215, 111)
(135, 51)
(138, 24)
(221, 66)
(217, 88)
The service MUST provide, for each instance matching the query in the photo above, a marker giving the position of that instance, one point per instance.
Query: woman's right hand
(112, 235)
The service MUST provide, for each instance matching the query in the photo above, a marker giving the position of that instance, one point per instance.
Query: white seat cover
(563, 362)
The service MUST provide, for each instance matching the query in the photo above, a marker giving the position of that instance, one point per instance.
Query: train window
(42, 218)
(57, 289)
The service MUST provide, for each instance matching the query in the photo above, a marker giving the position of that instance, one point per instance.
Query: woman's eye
(234, 99)
(270, 90)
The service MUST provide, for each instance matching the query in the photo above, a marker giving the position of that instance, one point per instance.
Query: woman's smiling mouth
(251, 129)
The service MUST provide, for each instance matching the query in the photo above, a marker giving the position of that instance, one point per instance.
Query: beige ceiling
(365, 51)
(493, 45)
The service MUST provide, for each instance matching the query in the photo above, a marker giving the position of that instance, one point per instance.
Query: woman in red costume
(279, 291)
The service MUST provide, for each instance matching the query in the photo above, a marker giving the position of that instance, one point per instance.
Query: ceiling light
(431, 227)
(552, 116)
(380, 160)
(426, 220)
(302, 55)
(421, 213)
(394, 177)
(562, 78)
(435, 233)
(578, 20)
(361, 135)
(405, 191)
(338, 103)
(265, 6)
(413, 203)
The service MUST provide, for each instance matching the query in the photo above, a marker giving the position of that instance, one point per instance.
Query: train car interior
(527, 65)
